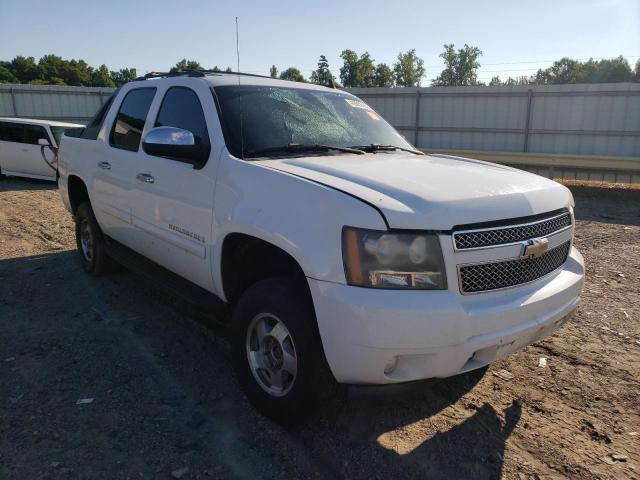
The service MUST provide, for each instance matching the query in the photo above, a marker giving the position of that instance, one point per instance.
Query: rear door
(33, 162)
(11, 145)
(116, 167)
(172, 201)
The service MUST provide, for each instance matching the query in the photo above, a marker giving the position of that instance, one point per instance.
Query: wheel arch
(246, 259)
(77, 191)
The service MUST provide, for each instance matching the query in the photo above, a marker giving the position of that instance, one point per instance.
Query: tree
(273, 71)
(123, 76)
(606, 71)
(460, 67)
(357, 71)
(322, 75)
(409, 69)
(25, 69)
(100, 77)
(638, 70)
(349, 69)
(292, 74)
(495, 81)
(76, 72)
(185, 64)
(521, 80)
(384, 76)
(6, 76)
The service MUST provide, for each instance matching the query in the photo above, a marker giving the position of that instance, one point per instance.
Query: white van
(20, 142)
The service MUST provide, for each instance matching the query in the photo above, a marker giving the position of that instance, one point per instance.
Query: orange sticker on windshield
(372, 115)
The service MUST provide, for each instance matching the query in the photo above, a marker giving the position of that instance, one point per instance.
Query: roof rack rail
(175, 73)
(195, 73)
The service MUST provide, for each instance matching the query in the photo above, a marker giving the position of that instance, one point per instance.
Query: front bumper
(437, 333)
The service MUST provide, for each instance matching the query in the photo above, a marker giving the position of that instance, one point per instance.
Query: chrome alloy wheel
(86, 239)
(271, 354)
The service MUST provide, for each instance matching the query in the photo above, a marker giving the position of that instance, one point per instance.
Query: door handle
(104, 165)
(145, 177)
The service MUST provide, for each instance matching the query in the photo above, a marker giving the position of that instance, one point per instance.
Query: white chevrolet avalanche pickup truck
(335, 252)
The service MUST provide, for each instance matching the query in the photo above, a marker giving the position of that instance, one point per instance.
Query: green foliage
(273, 71)
(292, 74)
(6, 76)
(185, 64)
(101, 77)
(567, 70)
(123, 76)
(322, 75)
(460, 67)
(409, 69)
(357, 71)
(25, 69)
(495, 81)
(54, 70)
(384, 76)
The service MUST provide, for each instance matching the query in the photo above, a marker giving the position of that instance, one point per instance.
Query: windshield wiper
(301, 147)
(376, 147)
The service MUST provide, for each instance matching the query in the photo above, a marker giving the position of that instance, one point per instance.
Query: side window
(127, 128)
(181, 108)
(32, 133)
(12, 132)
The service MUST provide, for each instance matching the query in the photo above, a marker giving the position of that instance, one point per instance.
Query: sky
(515, 37)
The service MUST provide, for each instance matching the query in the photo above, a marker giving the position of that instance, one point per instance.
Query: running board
(191, 299)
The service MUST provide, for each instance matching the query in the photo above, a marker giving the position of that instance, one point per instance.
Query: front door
(116, 168)
(172, 202)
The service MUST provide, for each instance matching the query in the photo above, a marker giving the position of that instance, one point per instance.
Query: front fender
(301, 217)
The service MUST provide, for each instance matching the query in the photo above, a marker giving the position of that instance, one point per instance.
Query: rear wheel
(90, 242)
(277, 352)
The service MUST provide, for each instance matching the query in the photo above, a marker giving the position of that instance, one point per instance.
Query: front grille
(492, 276)
(504, 235)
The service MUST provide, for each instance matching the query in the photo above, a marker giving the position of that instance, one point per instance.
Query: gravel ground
(162, 402)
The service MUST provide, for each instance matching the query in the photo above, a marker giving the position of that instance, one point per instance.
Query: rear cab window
(126, 132)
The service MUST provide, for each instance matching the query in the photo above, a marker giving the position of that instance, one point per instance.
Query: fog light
(391, 365)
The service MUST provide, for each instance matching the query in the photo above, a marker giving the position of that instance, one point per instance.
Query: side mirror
(175, 143)
(43, 142)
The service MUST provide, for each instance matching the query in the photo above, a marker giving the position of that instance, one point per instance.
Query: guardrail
(560, 166)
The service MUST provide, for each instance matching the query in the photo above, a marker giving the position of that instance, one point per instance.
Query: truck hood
(431, 192)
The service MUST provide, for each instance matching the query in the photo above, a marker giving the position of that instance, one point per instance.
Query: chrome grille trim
(511, 234)
(483, 277)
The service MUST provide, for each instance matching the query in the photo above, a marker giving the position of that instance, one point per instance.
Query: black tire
(93, 256)
(288, 301)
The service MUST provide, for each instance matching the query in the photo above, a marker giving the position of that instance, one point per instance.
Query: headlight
(393, 259)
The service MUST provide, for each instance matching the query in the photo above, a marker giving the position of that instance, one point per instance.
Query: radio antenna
(239, 93)
(237, 47)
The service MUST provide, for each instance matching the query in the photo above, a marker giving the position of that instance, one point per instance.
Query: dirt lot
(165, 399)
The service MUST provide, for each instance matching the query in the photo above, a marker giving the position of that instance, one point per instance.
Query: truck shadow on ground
(386, 426)
(375, 432)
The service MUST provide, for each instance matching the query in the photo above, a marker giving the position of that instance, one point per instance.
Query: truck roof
(37, 121)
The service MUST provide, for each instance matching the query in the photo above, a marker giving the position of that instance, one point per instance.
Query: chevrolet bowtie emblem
(536, 248)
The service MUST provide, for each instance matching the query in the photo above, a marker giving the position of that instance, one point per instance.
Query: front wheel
(276, 350)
